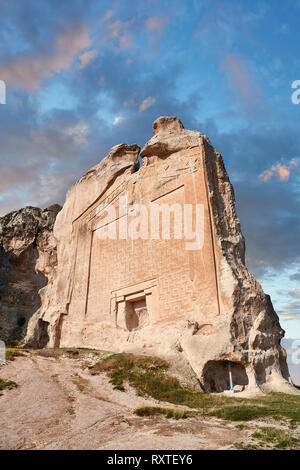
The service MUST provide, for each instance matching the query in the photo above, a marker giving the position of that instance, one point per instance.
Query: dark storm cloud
(295, 277)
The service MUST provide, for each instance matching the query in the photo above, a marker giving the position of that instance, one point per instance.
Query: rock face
(27, 257)
(153, 260)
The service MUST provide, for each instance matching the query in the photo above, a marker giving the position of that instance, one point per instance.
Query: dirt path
(58, 404)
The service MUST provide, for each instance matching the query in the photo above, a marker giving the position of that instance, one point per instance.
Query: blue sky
(82, 76)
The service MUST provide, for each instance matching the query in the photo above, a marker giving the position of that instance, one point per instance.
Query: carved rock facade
(162, 294)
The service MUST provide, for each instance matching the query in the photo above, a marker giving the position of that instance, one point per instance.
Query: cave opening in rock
(216, 375)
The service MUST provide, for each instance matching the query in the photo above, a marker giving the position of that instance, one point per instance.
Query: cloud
(289, 316)
(130, 102)
(290, 310)
(256, 262)
(283, 172)
(79, 132)
(243, 82)
(119, 32)
(126, 41)
(155, 23)
(155, 27)
(295, 292)
(43, 155)
(27, 70)
(292, 346)
(87, 57)
(268, 212)
(295, 276)
(292, 305)
(147, 103)
(118, 120)
(108, 15)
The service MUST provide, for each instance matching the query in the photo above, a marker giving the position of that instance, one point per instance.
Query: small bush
(9, 385)
(167, 412)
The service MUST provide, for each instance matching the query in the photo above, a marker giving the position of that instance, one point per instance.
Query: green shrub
(4, 384)
(167, 412)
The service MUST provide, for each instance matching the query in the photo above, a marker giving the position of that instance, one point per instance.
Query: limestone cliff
(152, 294)
(27, 257)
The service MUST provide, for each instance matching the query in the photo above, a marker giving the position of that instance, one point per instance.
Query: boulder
(27, 257)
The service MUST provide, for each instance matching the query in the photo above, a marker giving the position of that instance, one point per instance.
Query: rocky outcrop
(27, 258)
(160, 295)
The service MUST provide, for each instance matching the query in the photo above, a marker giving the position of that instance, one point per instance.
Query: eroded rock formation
(118, 287)
(27, 257)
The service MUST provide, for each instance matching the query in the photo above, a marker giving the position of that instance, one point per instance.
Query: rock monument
(151, 258)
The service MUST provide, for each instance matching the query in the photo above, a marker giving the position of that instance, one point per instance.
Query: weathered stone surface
(155, 295)
(27, 257)
(170, 137)
(238, 388)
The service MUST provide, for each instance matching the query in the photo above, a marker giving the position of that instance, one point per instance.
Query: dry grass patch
(12, 353)
(278, 438)
(167, 412)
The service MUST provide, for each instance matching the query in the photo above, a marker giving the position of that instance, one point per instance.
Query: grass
(242, 427)
(167, 412)
(241, 413)
(131, 368)
(281, 404)
(12, 353)
(269, 438)
(9, 385)
(74, 353)
(242, 446)
(277, 437)
(149, 377)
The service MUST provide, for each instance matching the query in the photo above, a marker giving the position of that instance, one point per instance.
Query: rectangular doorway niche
(133, 306)
(136, 314)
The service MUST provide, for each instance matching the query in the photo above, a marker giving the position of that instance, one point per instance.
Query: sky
(85, 75)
